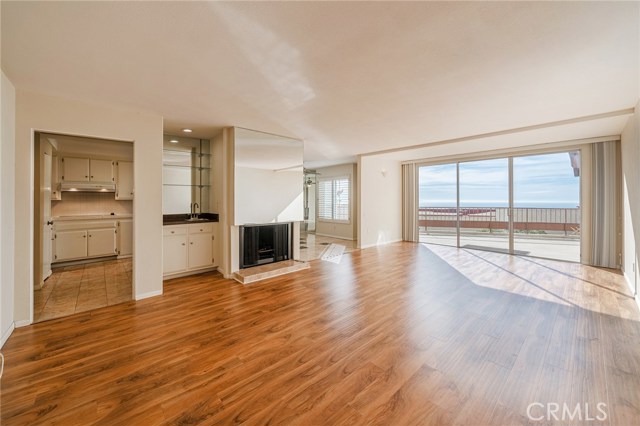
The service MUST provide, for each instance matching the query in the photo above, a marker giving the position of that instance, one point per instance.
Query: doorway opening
(83, 224)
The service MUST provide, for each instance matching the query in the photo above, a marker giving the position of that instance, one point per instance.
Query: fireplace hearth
(262, 244)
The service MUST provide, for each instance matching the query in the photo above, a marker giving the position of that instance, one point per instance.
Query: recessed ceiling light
(173, 141)
(187, 130)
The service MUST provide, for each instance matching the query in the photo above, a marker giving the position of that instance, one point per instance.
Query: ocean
(531, 205)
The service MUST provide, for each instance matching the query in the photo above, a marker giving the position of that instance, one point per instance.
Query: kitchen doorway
(83, 224)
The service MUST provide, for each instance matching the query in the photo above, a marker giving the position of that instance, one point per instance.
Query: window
(334, 199)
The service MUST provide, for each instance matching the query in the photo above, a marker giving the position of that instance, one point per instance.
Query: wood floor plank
(396, 335)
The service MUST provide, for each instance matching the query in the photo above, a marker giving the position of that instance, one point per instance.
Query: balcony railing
(563, 221)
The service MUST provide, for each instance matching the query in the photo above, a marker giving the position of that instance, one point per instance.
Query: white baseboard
(148, 295)
(335, 236)
(380, 244)
(6, 334)
(22, 323)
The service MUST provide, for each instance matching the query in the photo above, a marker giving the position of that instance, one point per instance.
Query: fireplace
(262, 244)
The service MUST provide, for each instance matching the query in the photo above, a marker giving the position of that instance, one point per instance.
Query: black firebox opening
(262, 244)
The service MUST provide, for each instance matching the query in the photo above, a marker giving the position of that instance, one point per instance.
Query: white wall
(335, 229)
(7, 202)
(630, 146)
(380, 205)
(37, 112)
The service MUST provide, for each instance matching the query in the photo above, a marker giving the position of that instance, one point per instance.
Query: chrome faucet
(194, 207)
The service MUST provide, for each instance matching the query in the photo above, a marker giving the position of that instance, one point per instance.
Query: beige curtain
(604, 204)
(409, 203)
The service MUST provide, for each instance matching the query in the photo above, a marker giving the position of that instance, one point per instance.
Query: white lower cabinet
(200, 251)
(125, 237)
(174, 250)
(84, 239)
(188, 248)
(69, 245)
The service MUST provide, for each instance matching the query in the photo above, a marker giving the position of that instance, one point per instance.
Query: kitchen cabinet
(83, 239)
(70, 245)
(56, 195)
(124, 180)
(200, 250)
(174, 251)
(75, 169)
(101, 242)
(188, 248)
(125, 238)
(100, 170)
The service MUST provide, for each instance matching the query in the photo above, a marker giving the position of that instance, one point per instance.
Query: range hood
(88, 187)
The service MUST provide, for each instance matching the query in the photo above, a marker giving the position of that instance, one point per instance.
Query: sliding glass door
(437, 207)
(527, 205)
(484, 204)
(546, 205)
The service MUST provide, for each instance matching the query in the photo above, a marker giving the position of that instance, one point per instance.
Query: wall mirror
(268, 178)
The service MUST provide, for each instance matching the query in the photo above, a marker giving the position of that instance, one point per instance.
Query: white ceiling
(346, 77)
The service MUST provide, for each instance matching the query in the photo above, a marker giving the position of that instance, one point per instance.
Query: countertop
(91, 217)
(182, 219)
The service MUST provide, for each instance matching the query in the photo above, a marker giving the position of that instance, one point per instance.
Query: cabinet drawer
(174, 230)
(201, 228)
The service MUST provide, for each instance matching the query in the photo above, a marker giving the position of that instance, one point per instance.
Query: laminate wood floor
(397, 335)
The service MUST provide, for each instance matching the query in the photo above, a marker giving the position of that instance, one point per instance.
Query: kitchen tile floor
(312, 246)
(79, 288)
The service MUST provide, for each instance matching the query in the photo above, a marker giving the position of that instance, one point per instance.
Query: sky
(539, 181)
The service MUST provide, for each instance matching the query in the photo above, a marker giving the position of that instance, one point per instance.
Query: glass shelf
(187, 153)
(186, 167)
(188, 160)
(185, 185)
(186, 176)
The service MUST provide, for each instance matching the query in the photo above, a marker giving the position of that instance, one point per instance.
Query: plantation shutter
(334, 199)
(325, 199)
(341, 199)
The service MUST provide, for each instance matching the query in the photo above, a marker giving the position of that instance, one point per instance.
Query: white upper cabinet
(75, 169)
(101, 170)
(124, 180)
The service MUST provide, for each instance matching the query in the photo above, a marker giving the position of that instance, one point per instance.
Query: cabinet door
(101, 242)
(125, 238)
(75, 169)
(174, 254)
(124, 180)
(101, 170)
(215, 251)
(55, 179)
(70, 245)
(200, 250)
